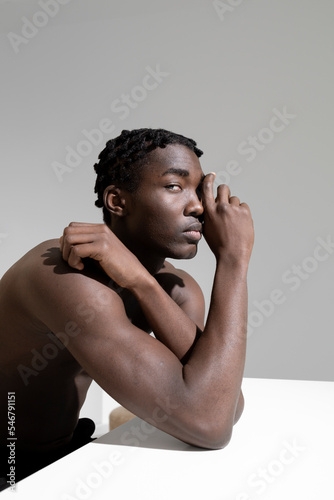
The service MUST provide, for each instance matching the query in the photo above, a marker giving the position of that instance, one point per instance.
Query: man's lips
(194, 231)
(196, 226)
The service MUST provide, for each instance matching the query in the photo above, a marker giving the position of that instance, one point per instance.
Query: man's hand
(228, 225)
(97, 241)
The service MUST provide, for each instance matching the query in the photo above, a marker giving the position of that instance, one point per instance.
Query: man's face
(164, 211)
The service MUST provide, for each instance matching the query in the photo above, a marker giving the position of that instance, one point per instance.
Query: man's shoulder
(30, 264)
(52, 292)
(42, 263)
(45, 261)
(43, 272)
(36, 257)
(179, 284)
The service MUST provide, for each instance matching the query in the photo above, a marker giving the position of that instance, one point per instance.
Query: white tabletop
(281, 449)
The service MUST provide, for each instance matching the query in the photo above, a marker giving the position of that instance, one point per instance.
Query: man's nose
(194, 206)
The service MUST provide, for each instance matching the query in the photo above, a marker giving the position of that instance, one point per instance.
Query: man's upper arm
(190, 298)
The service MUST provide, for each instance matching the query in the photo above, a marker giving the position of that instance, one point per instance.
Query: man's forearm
(170, 324)
(213, 372)
(222, 346)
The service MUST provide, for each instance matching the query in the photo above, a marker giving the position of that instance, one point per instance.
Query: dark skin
(110, 288)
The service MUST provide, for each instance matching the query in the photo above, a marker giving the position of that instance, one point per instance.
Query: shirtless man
(81, 307)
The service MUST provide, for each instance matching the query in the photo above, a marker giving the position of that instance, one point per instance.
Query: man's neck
(151, 262)
(153, 265)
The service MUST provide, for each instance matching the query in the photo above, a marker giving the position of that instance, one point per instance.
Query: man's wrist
(231, 263)
(144, 284)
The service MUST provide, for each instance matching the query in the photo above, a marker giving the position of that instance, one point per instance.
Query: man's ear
(115, 201)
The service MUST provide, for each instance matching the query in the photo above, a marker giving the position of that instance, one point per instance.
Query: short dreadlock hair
(121, 160)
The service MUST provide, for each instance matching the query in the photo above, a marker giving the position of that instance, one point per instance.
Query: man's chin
(185, 255)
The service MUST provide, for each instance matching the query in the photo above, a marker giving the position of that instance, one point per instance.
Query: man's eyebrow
(178, 171)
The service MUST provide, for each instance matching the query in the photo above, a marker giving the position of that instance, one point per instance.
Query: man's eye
(173, 187)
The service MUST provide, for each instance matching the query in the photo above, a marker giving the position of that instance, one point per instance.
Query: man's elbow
(240, 408)
(214, 442)
(211, 436)
(216, 435)
(219, 442)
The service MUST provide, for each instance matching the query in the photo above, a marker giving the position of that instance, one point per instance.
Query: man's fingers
(79, 232)
(79, 252)
(74, 258)
(207, 190)
(234, 200)
(70, 241)
(74, 224)
(84, 227)
(223, 193)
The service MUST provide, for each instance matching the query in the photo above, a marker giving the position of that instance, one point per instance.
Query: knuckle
(70, 240)
(75, 250)
(223, 207)
(104, 244)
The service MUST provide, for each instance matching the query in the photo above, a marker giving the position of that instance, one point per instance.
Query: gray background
(228, 69)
